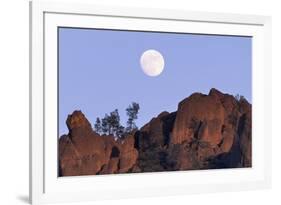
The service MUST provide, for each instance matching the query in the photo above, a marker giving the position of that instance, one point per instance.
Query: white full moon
(152, 62)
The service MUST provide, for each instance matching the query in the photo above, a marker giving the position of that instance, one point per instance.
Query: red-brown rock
(202, 112)
(206, 132)
(84, 152)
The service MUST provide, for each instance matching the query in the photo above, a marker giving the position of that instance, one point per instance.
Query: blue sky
(99, 71)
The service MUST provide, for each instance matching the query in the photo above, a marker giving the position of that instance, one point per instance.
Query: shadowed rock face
(206, 132)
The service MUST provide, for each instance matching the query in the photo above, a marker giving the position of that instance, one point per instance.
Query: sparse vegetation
(98, 127)
(239, 97)
(110, 124)
(132, 113)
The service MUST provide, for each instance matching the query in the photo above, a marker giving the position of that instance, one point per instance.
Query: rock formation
(206, 132)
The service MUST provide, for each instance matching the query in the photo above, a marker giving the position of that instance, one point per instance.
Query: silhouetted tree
(105, 124)
(120, 131)
(239, 97)
(110, 124)
(114, 121)
(132, 113)
(98, 127)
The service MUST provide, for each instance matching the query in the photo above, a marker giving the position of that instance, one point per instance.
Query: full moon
(152, 62)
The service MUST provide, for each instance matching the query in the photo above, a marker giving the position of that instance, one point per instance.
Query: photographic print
(142, 101)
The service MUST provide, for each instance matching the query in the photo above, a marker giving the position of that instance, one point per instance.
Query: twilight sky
(99, 71)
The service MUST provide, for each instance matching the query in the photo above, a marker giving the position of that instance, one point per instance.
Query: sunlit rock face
(84, 152)
(199, 116)
(206, 132)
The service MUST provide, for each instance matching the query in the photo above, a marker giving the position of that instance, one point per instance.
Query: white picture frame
(46, 187)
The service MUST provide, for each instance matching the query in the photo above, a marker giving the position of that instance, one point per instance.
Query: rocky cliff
(206, 132)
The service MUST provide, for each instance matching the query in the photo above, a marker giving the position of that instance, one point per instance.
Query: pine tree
(110, 124)
(120, 131)
(98, 127)
(114, 121)
(132, 113)
(105, 124)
